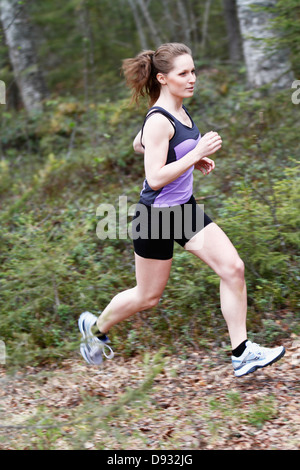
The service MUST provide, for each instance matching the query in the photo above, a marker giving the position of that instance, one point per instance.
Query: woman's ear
(161, 78)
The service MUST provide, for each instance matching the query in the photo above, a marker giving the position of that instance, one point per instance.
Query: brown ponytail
(140, 72)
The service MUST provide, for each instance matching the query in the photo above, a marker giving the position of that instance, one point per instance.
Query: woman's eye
(182, 74)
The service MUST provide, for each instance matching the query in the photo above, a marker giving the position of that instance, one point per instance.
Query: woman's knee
(151, 301)
(239, 268)
(148, 300)
(234, 270)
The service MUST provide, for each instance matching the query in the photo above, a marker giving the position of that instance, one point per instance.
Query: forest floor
(194, 402)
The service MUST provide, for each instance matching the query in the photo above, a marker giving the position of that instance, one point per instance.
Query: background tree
(20, 41)
(264, 66)
(233, 31)
(138, 24)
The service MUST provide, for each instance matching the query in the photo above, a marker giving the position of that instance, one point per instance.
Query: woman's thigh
(213, 246)
(152, 275)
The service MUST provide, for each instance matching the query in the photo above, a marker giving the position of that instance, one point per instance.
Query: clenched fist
(207, 145)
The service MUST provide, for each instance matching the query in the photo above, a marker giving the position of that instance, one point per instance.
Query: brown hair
(140, 72)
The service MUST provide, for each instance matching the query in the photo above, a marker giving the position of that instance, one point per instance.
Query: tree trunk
(18, 35)
(205, 24)
(172, 26)
(152, 28)
(233, 31)
(264, 66)
(138, 24)
(184, 21)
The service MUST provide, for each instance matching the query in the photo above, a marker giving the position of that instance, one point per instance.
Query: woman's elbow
(137, 147)
(154, 184)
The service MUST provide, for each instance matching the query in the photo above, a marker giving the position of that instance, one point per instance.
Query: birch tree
(264, 66)
(19, 39)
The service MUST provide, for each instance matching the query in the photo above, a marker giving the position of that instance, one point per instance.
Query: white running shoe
(92, 348)
(255, 357)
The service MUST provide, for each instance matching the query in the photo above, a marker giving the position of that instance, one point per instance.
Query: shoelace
(97, 345)
(111, 354)
(256, 349)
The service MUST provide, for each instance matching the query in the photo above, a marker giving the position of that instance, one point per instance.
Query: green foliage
(264, 229)
(286, 21)
(262, 410)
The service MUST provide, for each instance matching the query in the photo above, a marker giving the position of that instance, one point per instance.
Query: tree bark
(138, 24)
(22, 54)
(152, 28)
(264, 65)
(172, 26)
(205, 24)
(184, 21)
(233, 31)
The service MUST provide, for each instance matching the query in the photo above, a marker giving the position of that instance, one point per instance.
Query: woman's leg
(214, 247)
(151, 278)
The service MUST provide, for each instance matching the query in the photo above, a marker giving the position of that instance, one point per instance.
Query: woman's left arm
(137, 146)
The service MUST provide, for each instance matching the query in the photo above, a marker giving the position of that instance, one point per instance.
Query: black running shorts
(154, 229)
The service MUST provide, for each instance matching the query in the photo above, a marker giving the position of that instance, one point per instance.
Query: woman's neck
(170, 102)
(173, 106)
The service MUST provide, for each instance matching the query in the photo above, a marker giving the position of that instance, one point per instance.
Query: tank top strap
(153, 110)
(188, 114)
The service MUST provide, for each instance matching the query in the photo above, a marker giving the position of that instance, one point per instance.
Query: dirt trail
(195, 402)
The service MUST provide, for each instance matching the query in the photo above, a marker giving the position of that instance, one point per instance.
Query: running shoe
(255, 357)
(92, 348)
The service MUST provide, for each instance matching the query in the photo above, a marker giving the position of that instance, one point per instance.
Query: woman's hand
(205, 165)
(207, 145)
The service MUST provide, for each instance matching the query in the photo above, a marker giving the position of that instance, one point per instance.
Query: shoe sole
(254, 368)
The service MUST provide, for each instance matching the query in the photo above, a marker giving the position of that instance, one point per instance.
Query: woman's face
(181, 79)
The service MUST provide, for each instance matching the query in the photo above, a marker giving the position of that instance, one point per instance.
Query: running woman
(173, 148)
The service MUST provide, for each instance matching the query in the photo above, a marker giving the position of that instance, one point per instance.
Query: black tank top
(184, 140)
